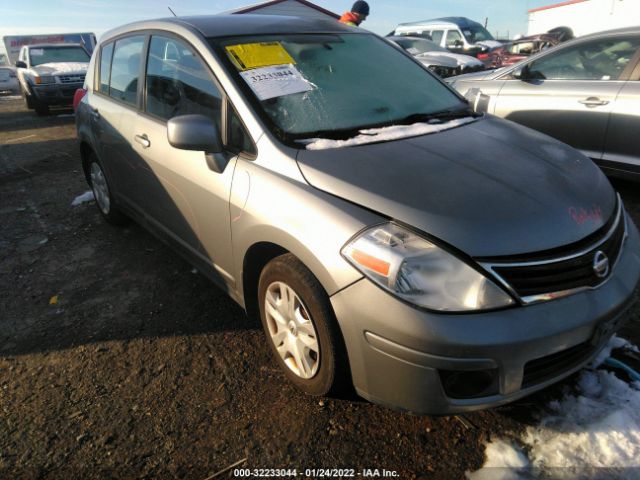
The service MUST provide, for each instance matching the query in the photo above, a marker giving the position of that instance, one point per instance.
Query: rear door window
(125, 69)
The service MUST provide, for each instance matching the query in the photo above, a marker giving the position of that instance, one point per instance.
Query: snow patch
(84, 198)
(597, 427)
(385, 134)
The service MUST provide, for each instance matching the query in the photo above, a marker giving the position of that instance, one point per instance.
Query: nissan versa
(439, 260)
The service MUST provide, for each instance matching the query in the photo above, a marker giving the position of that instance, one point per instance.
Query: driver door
(570, 93)
(182, 197)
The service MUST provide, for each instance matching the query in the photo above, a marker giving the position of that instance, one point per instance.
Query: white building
(585, 16)
(297, 8)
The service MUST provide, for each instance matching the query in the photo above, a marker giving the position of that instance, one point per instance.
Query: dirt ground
(116, 361)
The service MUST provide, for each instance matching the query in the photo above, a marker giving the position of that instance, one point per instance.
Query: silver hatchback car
(389, 238)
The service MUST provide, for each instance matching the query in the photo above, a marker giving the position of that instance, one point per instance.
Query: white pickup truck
(49, 74)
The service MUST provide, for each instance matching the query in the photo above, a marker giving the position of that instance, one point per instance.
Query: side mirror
(21, 64)
(521, 73)
(194, 132)
(197, 132)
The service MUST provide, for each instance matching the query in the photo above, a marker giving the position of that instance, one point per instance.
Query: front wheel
(301, 328)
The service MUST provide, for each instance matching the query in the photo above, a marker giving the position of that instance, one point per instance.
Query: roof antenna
(174, 13)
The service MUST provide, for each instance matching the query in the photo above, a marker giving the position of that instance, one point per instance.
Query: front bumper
(398, 353)
(55, 93)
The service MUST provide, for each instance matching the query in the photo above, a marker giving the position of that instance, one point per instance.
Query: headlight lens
(45, 79)
(422, 273)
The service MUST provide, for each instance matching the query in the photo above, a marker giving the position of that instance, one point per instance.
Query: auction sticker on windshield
(255, 55)
(277, 81)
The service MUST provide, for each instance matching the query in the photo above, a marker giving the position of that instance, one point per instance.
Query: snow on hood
(384, 134)
(60, 68)
(598, 427)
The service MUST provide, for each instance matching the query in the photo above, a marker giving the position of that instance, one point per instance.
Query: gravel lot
(116, 361)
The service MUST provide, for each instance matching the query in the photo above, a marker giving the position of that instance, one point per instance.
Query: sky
(98, 16)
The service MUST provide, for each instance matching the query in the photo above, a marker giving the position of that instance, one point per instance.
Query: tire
(42, 110)
(105, 202)
(28, 100)
(307, 343)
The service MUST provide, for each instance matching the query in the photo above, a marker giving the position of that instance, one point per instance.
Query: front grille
(541, 369)
(573, 269)
(71, 78)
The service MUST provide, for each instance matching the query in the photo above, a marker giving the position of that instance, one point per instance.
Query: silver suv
(388, 238)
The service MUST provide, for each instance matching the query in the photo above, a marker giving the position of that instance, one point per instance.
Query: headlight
(44, 79)
(420, 272)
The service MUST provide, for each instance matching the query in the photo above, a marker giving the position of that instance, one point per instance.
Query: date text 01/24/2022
(314, 473)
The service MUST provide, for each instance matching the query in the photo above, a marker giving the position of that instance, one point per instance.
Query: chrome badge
(600, 264)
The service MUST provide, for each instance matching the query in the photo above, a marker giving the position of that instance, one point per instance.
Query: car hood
(451, 59)
(58, 68)
(490, 43)
(489, 188)
(483, 75)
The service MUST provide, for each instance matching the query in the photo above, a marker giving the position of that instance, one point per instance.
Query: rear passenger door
(183, 197)
(115, 101)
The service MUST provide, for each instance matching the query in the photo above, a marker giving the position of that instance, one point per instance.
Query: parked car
(585, 92)
(518, 50)
(49, 74)
(438, 59)
(456, 34)
(8, 80)
(439, 260)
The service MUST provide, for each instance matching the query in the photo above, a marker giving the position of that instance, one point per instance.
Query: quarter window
(178, 83)
(597, 60)
(105, 68)
(125, 69)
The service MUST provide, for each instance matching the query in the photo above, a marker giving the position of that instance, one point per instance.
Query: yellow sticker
(255, 55)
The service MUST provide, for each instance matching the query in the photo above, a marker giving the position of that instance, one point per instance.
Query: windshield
(477, 33)
(416, 46)
(42, 55)
(321, 84)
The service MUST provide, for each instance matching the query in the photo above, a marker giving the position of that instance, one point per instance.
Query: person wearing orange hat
(357, 15)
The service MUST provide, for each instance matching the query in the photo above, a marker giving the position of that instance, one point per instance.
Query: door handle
(143, 140)
(593, 102)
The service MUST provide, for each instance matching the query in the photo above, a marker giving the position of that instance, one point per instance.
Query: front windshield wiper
(448, 114)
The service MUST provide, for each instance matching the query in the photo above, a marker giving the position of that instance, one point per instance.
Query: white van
(456, 34)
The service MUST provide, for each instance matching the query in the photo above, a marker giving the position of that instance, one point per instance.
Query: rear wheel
(102, 193)
(301, 328)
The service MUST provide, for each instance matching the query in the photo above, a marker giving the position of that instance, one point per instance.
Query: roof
(556, 5)
(461, 22)
(257, 6)
(231, 25)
